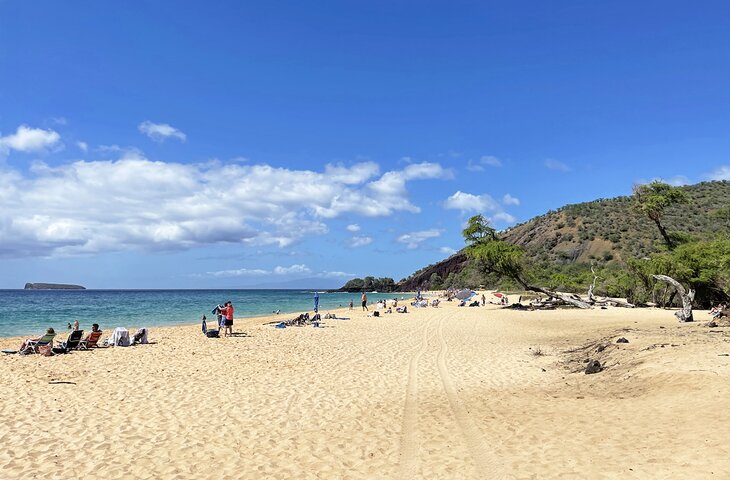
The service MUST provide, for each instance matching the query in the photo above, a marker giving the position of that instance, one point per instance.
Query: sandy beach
(442, 392)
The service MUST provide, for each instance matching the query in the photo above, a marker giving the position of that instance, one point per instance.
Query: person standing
(364, 299)
(228, 322)
(350, 304)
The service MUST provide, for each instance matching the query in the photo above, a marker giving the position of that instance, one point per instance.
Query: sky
(233, 144)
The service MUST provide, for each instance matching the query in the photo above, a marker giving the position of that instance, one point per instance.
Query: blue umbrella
(316, 302)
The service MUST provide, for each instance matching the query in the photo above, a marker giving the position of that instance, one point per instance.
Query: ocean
(31, 312)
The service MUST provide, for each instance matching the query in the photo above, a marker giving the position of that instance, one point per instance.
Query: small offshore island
(52, 286)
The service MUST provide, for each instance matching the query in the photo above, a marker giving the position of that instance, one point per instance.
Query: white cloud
(556, 165)
(292, 269)
(83, 146)
(133, 203)
(414, 239)
(720, 173)
(385, 195)
(258, 272)
(334, 274)
(360, 241)
(353, 227)
(491, 161)
(160, 132)
(27, 139)
(447, 250)
(510, 200)
(467, 202)
(485, 160)
(503, 217)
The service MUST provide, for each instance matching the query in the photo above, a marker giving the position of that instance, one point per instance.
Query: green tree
(435, 282)
(652, 199)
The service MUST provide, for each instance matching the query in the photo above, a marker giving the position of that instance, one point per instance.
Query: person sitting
(47, 338)
(402, 309)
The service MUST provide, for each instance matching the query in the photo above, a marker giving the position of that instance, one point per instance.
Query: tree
(478, 230)
(435, 282)
(652, 199)
(505, 259)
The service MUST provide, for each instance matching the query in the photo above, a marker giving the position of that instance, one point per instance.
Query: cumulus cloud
(290, 271)
(467, 202)
(503, 217)
(360, 241)
(485, 160)
(720, 173)
(447, 250)
(27, 139)
(258, 272)
(159, 132)
(556, 165)
(383, 196)
(353, 227)
(510, 200)
(414, 239)
(89, 207)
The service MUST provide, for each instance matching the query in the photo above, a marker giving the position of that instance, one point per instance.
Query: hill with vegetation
(606, 234)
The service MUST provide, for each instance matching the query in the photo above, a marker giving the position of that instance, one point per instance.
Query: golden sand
(437, 393)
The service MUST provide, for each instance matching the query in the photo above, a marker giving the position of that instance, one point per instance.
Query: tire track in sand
(485, 461)
(409, 441)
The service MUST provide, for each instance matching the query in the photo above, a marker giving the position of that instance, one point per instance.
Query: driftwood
(572, 300)
(591, 298)
(614, 302)
(685, 313)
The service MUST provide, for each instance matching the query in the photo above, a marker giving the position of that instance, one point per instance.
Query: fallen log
(685, 313)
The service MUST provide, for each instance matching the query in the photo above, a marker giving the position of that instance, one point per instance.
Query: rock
(622, 340)
(594, 366)
(601, 348)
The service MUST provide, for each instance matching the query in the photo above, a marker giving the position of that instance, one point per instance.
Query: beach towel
(119, 338)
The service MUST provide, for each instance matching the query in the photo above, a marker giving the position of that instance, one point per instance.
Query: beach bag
(376, 313)
(212, 333)
(60, 349)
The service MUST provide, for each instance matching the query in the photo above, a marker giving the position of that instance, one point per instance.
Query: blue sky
(160, 144)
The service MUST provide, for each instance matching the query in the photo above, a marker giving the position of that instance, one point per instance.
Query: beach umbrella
(316, 302)
(463, 294)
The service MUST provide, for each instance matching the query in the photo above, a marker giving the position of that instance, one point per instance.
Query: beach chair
(91, 340)
(32, 345)
(72, 342)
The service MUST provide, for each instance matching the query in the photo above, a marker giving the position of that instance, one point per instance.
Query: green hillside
(609, 230)
(606, 233)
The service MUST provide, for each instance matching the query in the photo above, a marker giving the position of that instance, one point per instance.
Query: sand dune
(438, 393)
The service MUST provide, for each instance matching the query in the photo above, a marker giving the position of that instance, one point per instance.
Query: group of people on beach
(47, 339)
(224, 315)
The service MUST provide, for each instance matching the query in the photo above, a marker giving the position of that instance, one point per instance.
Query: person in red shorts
(228, 322)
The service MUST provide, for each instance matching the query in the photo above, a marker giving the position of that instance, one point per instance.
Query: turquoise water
(27, 312)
